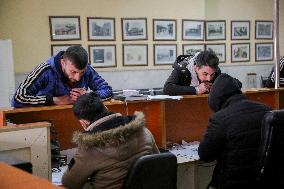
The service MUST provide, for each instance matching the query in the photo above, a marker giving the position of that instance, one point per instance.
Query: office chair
(271, 151)
(156, 171)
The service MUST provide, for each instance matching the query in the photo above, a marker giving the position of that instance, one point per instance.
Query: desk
(168, 120)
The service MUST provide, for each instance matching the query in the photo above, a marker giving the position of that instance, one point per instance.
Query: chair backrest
(153, 172)
(271, 151)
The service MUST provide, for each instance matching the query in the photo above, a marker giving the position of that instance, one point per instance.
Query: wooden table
(168, 120)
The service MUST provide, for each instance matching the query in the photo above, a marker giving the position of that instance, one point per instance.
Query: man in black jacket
(193, 74)
(271, 79)
(233, 135)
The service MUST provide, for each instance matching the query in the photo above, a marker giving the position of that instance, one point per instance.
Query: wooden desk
(11, 178)
(168, 120)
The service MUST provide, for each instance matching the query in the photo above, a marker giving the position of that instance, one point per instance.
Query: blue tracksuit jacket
(47, 81)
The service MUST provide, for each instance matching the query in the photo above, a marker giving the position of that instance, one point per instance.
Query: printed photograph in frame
(164, 30)
(102, 56)
(219, 49)
(135, 55)
(56, 48)
(263, 51)
(134, 28)
(63, 28)
(100, 28)
(240, 52)
(263, 29)
(193, 30)
(216, 30)
(165, 54)
(192, 49)
(240, 30)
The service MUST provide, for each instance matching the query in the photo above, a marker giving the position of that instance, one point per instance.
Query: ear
(62, 62)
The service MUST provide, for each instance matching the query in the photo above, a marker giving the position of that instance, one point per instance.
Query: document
(186, 152)
(163, 97)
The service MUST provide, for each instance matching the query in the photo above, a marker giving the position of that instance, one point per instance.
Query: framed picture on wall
(193, 30)
(192, 49)
(64, 28)
(135, 55)
(240, 30)
(240, 52)
(56, 48)
(134, 29)
(263, 29)
(216, 30)
(164, 30)
(102, 56)
(219, 50)
(165, 54)
(263, 51)
(101, 28)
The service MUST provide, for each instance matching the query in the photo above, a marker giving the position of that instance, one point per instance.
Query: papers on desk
(163, 97)
(186, 152)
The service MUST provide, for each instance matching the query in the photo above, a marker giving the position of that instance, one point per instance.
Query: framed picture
(219, 50)
(134, 28)
(135, 55)
(56, 48)
(263, 51)
(263, 29)
(240, 52)
(64, 28)
(164, 30)
(216, 30)
(101, 28)
(193, 30)
(240, 30)
(192, 49)
(165, 54)
(102, 56)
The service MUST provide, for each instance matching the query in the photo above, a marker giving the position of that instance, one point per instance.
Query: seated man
(233, 135)
(108, 147)
(271, 79)
(61, 80)
(193, 75)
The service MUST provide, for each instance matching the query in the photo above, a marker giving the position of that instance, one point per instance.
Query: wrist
(197, 90)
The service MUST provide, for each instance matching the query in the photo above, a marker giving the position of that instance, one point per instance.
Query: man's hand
(204, 87)
(76, 92)
(63, 100)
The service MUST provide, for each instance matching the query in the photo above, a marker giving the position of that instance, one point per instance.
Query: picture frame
(263, 29)
(134, 29)
(135, 54)
(240, 52)
(63, 28)
(215, 30)
(263, 51)
(219, 49)
(240, 30)
(192, 49)
(102, 56)
(165, 54)
(164, 30)
(56, 48)
(193, 30)
(101, 29)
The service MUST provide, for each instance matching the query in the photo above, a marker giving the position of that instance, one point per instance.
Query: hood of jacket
(222, 89)
(112, 137)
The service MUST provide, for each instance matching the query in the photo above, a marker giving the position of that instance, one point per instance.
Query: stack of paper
(163, 97)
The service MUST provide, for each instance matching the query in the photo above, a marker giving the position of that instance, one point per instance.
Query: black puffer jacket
(233, 134)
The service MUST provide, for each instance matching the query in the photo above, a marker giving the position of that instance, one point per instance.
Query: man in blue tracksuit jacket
(61, 80)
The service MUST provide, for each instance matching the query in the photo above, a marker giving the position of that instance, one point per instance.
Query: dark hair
(207, 58)
(77, 55)
(89, 106)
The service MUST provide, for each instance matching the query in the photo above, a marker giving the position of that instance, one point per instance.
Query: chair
(271, 151)
(156, 171)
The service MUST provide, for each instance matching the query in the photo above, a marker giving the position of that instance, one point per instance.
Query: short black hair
(77, 55)
(89, 107)
(207, 58)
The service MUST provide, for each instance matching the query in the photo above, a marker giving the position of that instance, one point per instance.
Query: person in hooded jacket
(108, 147)
(193, 74)
(233, 135)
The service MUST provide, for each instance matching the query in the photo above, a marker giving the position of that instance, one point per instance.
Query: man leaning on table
(61, 80)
